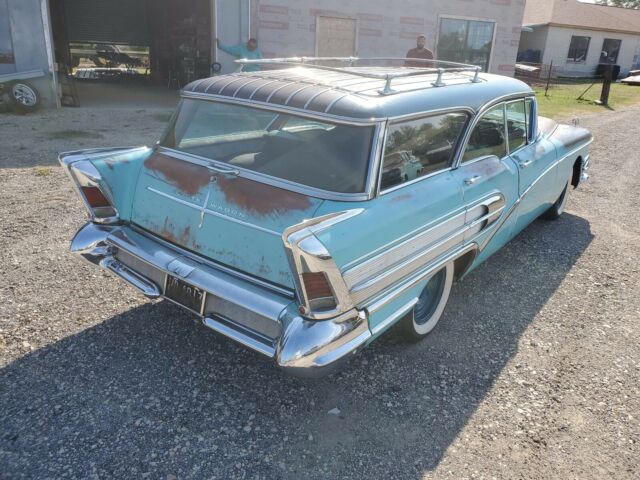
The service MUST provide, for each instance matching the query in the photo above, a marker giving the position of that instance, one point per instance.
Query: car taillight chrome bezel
(86, 176)
(309, 257)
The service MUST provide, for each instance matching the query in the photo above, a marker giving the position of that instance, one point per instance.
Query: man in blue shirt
(249, 51)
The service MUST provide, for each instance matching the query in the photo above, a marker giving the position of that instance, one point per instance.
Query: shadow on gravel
(151, 393)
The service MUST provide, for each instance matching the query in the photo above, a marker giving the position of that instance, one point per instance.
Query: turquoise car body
(248, 243)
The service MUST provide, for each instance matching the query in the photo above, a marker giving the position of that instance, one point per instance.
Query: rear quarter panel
(387, 221)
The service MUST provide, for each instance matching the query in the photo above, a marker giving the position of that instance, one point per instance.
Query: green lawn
(562, 103)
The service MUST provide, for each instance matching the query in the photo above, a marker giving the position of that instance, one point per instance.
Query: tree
(621, 3)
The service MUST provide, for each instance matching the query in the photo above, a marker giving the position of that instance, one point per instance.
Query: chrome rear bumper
(255, 315)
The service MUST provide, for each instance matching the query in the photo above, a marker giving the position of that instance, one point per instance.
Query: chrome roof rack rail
(438, 67)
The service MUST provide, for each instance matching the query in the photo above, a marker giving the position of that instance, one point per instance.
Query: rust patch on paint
(168, 232)
(260, 198)
(187, 177)
(402, 197)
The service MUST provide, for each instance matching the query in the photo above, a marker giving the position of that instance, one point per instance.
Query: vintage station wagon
(303, 210)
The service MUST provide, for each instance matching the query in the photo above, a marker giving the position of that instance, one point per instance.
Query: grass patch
(42, 171)
(562, 101)
(162, 117)
(73, 134)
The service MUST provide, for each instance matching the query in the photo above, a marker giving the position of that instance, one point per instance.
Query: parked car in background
(304, 211)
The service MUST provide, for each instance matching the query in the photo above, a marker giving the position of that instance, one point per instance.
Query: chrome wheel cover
(24, 95)
(429, 298)
(432, 300)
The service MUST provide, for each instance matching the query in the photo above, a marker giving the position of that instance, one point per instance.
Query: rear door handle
(525, 164)
(223, 170)
(472, 180)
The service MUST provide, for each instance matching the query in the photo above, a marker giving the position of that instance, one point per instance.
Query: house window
(578, 49)
(6, 45)
(610, 50)
(465, 41)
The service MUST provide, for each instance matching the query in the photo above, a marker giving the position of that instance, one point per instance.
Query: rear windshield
(307, 151)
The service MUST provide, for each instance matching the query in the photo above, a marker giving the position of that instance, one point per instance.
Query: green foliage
(621, 3)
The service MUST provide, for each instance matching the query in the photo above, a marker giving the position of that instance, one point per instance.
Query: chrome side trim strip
(417, 277)
(213, 213)
(403, 250)
(393, 263)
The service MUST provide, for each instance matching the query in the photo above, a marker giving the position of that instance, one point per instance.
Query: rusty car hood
(226, 218)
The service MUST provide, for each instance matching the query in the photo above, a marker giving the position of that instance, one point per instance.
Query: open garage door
(122, 22)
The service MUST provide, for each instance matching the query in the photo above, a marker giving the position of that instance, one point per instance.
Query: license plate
(184, 294)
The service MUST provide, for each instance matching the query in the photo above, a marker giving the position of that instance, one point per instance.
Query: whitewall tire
(431, 304)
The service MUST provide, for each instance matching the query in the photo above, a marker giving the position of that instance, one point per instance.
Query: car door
(535, 157)
(417, 217)
(489, 181)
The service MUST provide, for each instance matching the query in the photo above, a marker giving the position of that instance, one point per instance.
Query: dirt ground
(533, 372)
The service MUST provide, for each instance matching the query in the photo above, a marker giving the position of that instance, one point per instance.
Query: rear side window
(487, 137)
(419, 147)
(516, 124)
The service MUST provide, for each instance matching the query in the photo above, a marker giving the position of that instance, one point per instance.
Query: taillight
(318, 291)
(316, 285)
(95, 198)
(94, 191)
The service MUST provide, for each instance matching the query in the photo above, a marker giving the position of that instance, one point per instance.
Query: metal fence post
(606, 85)
(546, 88)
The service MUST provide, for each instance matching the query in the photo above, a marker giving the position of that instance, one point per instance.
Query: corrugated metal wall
(107, 21)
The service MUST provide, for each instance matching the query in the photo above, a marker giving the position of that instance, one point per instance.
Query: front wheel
(556, 210)
(427, 311)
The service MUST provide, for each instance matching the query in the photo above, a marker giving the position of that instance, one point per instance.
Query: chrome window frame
(526, 125)
(369, 183)
(474, 121)
(412, 117)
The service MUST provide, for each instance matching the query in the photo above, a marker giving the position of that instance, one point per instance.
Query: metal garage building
(176, 38)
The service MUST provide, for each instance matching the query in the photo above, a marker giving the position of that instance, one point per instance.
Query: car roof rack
(438, 67)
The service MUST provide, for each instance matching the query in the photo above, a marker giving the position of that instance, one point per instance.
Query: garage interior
(116, 50)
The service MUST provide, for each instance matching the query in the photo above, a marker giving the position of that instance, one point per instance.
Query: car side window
(487, 137)
(516, 124)
(419, 147)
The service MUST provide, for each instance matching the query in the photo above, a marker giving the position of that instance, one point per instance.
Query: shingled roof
(571, 13)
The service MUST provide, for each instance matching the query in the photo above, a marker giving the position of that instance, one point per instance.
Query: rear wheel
(556, 210)
(431, 303)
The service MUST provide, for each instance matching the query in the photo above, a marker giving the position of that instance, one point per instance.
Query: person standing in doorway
(250, 51)
(419, 52)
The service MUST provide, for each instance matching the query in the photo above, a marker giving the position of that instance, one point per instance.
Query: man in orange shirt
(419, 52)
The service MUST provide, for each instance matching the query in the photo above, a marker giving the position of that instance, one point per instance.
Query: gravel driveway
(533, 372)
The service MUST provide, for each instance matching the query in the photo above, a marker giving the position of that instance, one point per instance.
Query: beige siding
(384, 28)
(557, 47)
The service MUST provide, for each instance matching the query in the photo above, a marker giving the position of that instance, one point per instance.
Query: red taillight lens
(316, 285)
(95, 198)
